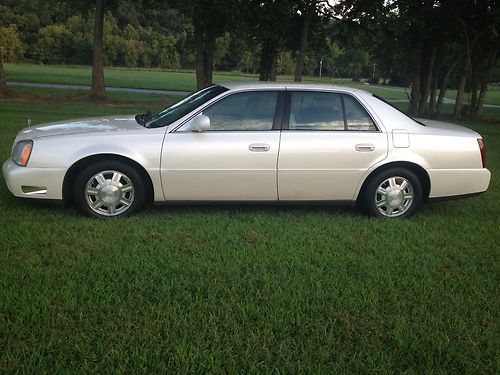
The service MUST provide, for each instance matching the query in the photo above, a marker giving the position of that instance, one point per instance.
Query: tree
(427, 38)
(211, 19)
(11, 43)
(308, 10)
(3, 84)
(481, 23)
(267, 23)
(97, 87)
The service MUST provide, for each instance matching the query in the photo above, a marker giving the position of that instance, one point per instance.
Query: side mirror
(200, 123)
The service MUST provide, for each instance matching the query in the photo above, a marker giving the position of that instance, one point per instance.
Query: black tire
(122, 193)
(395, 202)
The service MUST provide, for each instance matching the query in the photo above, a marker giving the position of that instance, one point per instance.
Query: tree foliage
(430, 45)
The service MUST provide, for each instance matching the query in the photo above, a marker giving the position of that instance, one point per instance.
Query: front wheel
(108, 188)
(394, 193)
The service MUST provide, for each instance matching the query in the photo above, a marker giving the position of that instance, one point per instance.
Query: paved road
(184, 93)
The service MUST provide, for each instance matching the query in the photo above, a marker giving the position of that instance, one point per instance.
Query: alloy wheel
(109, 193)
(394, 196)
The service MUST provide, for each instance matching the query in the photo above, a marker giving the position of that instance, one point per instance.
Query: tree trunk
(473, 100)
(480, 100)
(432, 97)
(204, 68)
(459, 101)
(3, 84)
(434, 84)
(299, 68)
(97, 89)
(416, 94)
(427, 73)
(205, 49)
(442, 89)
(268, 62)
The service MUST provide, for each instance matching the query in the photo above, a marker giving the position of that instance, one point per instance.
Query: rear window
(397, 109)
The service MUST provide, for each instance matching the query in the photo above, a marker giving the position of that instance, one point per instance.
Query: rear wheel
(394, 193)
(109, 188)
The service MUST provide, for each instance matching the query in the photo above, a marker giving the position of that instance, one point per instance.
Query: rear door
(328, 143)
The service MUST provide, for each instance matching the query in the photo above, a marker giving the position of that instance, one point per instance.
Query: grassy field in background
(167, 80)
(134, 78)
(244, 289)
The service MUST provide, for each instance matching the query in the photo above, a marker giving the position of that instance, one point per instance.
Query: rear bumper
(33, 183)
(448, 183)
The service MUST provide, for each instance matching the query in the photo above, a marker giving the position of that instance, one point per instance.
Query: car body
(251, 142)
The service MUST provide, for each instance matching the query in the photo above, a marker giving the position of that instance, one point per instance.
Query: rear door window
(316, 111)
(328, 111)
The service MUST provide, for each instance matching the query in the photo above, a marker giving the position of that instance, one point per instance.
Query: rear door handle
(259, 147)
(365, 147)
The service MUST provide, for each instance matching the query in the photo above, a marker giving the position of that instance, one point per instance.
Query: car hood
(451, 128)
(86, 125)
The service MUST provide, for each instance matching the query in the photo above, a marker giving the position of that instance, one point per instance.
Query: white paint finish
(433, 127)
(86, 125)
(57, 151)
(445, 151)
(324, 165)
(219, 166)
(449, 182)
(59, 147)
(400, 138)
(154, 174)
(49, 178)
(389, 117)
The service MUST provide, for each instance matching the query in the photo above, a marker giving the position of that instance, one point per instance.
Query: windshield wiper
(141, 118)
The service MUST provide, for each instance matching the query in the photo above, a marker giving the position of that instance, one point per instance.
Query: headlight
(21, 152)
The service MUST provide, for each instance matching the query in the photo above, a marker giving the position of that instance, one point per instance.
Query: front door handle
(259, 147)
(365, 147)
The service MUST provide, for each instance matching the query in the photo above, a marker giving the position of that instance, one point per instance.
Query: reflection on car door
(329, 143)
(234, 160)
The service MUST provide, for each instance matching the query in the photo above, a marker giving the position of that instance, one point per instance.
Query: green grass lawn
(492, 96)
(182, 81)
(117, 77)
(246, 289)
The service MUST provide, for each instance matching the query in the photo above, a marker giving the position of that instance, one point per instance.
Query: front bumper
(26, 182)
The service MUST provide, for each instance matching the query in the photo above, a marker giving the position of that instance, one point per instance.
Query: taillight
(482, 148)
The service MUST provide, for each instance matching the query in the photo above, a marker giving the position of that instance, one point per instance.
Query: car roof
(290, 86)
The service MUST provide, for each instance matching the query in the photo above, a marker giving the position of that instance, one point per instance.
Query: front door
(235, 159)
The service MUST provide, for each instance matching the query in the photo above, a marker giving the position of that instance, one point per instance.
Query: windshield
(182, 108)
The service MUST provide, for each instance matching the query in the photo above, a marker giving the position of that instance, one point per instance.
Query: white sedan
(251, 143)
